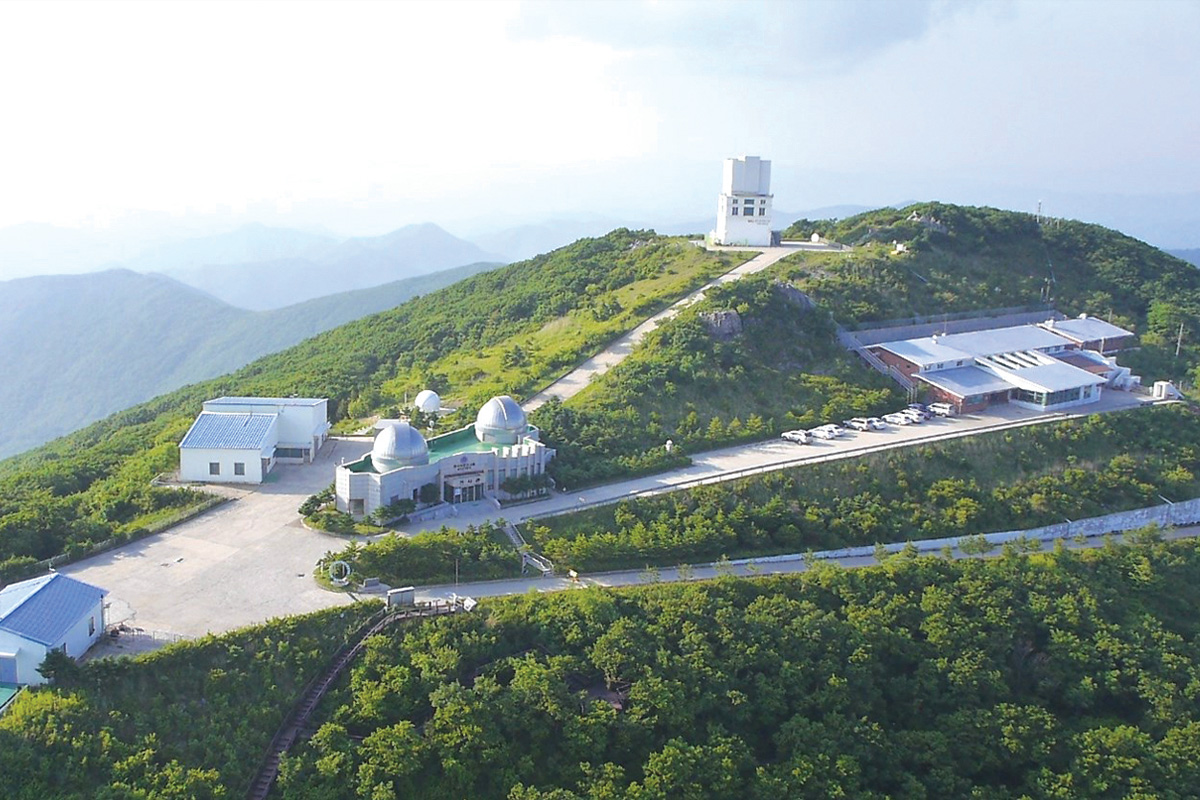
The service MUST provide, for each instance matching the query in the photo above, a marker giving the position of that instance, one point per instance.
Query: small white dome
(398, 444)
(501, 421)
(428, 401)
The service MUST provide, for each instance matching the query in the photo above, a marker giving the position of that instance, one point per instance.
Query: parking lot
(239, 563)
(250, 559)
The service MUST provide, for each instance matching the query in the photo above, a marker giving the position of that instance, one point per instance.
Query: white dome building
(428, 401)
(398, 444)
(500, 421)
(467, 465)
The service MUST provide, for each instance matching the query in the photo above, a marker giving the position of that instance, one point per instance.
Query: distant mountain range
(79, 347)
(300, 267)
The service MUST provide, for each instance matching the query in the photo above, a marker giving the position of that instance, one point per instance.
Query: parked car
(858, 424)
(897, 419)
(826, 432)
(915, 416)
(942, 409)
(876, 424)
(799, 437)
(920, 409)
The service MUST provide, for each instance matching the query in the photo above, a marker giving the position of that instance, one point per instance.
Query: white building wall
(30, 654)
(84, 633)
(193, 465)
(744, 179)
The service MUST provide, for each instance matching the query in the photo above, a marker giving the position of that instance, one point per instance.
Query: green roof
(448, 444)
(459, 441)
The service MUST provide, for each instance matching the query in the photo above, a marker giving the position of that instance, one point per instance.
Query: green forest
(1067, 674)
(188, 722)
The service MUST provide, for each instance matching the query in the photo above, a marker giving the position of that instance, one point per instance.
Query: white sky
(367, 117)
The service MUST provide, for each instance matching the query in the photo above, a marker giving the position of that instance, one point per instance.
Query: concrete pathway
(577, 380)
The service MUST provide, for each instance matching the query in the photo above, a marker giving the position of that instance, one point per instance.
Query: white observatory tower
(744, 205)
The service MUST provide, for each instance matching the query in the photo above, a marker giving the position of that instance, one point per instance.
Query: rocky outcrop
(726, 324)
(793, 295)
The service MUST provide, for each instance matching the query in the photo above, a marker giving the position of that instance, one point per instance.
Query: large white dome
(428, 401)
(500, 421)
(398, 444)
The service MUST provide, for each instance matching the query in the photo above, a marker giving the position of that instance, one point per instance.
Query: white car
(942, 409)
(826, 432)
(897, 419)
(876, 424)
(799, 437)
(913, 414)
(859, 424)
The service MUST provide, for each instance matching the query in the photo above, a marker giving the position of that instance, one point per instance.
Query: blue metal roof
(44, 609)
(214, 430)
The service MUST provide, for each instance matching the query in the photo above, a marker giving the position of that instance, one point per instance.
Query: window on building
(762, 212)
(734, 211)
(214, 468)
(239, 468)
(290, 452)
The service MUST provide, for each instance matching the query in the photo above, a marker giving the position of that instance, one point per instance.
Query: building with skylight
(1051, 365)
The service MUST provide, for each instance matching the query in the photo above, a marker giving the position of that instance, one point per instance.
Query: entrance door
(8, 669)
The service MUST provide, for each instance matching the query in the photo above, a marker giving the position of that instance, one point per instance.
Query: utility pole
(1179, 341)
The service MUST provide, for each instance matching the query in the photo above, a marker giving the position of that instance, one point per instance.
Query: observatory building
(744, 205)
(465, 465)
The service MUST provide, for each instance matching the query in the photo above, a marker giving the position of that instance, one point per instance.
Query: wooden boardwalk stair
(298, 718)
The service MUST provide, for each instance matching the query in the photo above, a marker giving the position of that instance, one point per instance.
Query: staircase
(297, 720)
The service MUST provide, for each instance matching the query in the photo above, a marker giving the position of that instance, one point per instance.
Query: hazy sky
(366, 117)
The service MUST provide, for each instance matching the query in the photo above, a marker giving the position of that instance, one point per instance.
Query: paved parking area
(239, 563)
(250, 559)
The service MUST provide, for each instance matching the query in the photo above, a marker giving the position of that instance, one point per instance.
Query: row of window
(762, 212)
(214, 468)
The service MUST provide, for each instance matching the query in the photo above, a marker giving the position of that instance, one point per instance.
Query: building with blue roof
(241, 439)
(53, 612)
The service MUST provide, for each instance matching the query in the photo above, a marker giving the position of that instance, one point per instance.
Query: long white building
(1053, 365)
(241, 439)
(466, 465)
(744, 205)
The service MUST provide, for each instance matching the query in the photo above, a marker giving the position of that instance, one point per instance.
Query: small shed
(53, 612)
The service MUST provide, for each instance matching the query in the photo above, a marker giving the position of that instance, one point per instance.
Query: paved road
(250, 560)
(732, 462)
(747, 568)
(577, 380)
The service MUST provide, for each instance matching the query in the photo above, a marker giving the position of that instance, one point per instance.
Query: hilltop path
(575, 381)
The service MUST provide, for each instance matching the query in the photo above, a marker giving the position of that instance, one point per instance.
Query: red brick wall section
(892, 360)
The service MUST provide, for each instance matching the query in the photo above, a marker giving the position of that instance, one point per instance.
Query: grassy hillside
(702, 389)
(961, 258)
(1055, 675)
(94, 484)
(94, 344)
